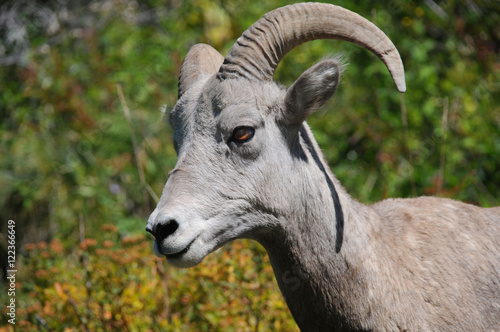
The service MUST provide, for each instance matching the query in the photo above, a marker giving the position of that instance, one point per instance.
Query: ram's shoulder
(439, 218)
(425, 206)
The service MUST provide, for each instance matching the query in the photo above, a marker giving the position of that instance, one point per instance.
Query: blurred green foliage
(68, 161)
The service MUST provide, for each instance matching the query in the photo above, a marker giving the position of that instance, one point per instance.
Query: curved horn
(257, 53)
(201, 59)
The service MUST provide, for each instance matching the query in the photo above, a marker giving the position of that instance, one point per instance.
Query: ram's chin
(187, 259)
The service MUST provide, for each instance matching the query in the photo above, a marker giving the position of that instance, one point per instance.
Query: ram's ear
(311, 91)
(201, 60)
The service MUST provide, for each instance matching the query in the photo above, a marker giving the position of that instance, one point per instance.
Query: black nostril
(165, 229)
(149, 229)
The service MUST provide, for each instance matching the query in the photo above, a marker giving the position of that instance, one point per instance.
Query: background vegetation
(85, 154)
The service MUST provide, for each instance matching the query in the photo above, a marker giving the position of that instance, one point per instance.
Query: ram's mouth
(172, 255)
(180, 253)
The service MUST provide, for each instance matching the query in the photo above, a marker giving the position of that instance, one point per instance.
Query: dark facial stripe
(339, 215)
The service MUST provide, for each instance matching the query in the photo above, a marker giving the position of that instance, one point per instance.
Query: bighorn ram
(249, 167)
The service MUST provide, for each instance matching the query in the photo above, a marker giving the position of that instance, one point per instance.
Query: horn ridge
(257, 53)
(201, 59)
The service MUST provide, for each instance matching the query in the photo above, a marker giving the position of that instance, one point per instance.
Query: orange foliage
(121, 285)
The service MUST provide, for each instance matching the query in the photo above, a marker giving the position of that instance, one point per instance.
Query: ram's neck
(319, 256)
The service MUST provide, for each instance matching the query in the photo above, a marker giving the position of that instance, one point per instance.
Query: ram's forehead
(253, 94)
(202, 106)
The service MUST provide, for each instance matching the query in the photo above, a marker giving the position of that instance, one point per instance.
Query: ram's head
(240, 137)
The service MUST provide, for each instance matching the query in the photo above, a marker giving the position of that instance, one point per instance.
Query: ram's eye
(242, 134)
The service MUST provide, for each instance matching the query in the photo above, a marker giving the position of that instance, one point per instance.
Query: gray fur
(424, 264)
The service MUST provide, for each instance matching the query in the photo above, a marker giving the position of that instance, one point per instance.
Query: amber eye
(242, 134)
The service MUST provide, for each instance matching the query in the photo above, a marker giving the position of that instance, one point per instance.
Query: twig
(75, 309)
(42, 322)
(85, 265)
(126, 111)
(436, 9)
(152, 193)
(82, 228)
